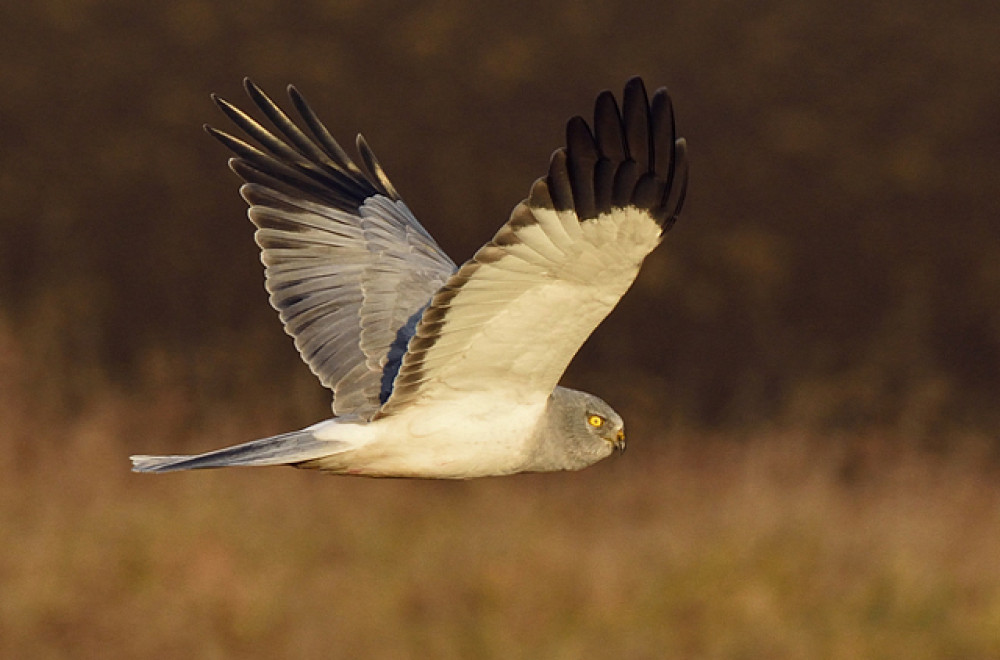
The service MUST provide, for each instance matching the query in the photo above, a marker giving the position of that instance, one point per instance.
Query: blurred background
(809, 366)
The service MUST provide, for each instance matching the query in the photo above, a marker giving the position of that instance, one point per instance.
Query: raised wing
(512, 317)
(348, 267)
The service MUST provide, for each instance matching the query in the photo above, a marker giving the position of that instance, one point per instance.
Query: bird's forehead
(595, 405)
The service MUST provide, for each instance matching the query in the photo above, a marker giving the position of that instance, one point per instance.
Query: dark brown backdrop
(838, 263)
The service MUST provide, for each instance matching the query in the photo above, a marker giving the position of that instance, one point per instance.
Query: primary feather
(346, 263)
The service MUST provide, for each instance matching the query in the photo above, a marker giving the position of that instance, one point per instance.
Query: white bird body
(438, 371)
(444, 440)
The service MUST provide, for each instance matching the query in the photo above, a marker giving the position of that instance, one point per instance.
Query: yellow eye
(596, 421)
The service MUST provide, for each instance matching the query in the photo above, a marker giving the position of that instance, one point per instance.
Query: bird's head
(581, 429)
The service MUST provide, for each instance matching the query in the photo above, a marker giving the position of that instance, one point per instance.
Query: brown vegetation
(777, 545)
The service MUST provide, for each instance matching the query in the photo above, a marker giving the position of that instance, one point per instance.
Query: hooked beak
(619, 442)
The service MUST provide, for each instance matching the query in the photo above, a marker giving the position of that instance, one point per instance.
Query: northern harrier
(438, 371)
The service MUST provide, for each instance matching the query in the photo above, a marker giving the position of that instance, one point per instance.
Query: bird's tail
(284, 449)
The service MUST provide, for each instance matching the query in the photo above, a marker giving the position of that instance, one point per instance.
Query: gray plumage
(568, 439)
(346, 263)
(285, 449)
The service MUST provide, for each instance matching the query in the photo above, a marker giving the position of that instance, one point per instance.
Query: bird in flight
(440, 371)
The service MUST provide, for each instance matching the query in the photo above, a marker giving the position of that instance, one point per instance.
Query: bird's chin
(615, 445)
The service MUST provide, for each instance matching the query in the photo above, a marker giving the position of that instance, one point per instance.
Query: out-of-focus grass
(777, 545)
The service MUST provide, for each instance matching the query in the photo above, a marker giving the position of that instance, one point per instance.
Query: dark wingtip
(311, 164)
(634, 85)
(632, 157)
(558, 182)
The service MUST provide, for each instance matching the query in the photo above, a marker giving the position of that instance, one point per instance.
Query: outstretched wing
(510, 320)
(348, 267)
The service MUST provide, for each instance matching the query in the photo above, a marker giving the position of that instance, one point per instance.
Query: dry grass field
(767, 545)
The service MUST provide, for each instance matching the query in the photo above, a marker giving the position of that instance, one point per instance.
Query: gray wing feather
(347, 264)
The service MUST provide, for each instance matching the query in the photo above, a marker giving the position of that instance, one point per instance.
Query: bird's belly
(450, 441)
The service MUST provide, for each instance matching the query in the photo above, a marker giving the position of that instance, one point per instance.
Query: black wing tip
(309, 159)
(558, 181)
(632, 157)
(635, 83)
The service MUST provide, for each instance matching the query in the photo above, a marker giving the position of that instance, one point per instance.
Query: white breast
(464, 436)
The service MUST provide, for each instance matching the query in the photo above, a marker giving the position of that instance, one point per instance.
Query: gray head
(579, 430)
